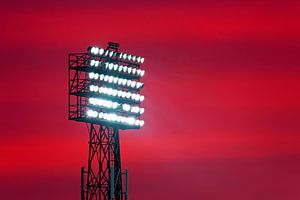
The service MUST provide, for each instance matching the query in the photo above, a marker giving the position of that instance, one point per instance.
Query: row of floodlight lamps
(112, 54)
(114, 92)
(116, 67)
(116, 80)
(115, 105)
(115, 118)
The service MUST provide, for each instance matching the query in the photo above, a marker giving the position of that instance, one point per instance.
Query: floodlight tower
(104, 92)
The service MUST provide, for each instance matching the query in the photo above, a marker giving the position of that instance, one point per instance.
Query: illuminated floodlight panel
(105, 86)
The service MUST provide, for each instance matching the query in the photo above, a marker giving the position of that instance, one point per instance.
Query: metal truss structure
(103, 178)
(79, 90)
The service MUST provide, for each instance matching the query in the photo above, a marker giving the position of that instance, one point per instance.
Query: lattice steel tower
(104, 92)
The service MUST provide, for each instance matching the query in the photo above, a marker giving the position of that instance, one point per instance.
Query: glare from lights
(128, 82)
(133, 84)
(115, 105)
(129, 70)
(92, 113)
(119, 118)
(126, 107)
(120, 68)
(139, 84)
(121, 82)
(115, 92)
(101, 77)
(91, 75)
(135, 109)
(101, 51)
(92, 49)
(137, 97)
(106, 78)
(113, 117)
(142, 110)
(137, 122)
(120, 93)
(115, 80)
(103, 103)
(96, 63)
(110, 91)
(96, 50)
(142, 122)
(115, 67)
(142, 98)
(92, 88)
(116, 118)
(101, 114)
(92, 62)
(111, 78)
(101, 90)
(123, 119)
(110, 66)
(133, 70)
(130, 120)
(133, 96)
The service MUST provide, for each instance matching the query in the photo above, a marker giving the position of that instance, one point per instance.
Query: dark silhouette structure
(104, 92)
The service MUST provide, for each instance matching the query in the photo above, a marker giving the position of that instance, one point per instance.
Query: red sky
(222, 90)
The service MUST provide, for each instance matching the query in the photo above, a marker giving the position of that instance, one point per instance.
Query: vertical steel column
(82, 183)
(126, 184)
(117, 166)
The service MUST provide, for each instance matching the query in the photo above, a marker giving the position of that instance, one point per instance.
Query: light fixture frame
(79, 82)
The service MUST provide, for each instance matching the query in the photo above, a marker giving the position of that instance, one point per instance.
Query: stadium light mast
(104, 93)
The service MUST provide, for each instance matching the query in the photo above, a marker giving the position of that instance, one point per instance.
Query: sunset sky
(222, 97)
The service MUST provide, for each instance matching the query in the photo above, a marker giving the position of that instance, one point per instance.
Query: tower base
(103, 178)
